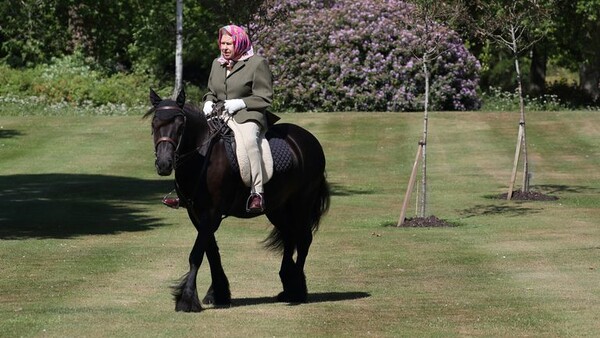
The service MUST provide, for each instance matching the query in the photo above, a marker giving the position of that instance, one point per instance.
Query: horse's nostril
(164, 167)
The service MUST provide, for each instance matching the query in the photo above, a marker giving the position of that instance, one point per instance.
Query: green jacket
(250, 80)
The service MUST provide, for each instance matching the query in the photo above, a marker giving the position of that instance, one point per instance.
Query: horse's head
(168, 123)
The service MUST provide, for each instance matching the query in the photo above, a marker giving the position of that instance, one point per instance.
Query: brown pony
(208, 184)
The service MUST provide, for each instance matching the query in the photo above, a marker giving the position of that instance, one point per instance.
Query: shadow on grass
(70, 205)
(339, 190)
(560, 188)
(493, 209)
(9, 133)
(321, 297)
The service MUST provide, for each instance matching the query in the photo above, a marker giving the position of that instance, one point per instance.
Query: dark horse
(211, 190)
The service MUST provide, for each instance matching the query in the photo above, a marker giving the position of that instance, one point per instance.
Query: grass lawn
(86, 248)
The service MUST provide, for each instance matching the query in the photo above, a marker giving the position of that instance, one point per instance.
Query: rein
(217, 129)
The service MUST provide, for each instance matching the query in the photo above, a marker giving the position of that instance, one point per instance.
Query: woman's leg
(250, 134)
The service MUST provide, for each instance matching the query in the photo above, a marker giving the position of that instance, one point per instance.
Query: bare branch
(514, 25)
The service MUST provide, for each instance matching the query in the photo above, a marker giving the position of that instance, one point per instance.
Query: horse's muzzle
(164, 167)
(165, 158)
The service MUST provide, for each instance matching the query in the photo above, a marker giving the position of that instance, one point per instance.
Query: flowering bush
(348, 55)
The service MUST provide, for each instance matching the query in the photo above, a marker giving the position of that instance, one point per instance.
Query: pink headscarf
(242, 47)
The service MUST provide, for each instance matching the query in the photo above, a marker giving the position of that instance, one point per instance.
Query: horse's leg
(186, 294)
(218, 293)
(294, 232)
(292, 273)
(303, 242)
(287, 266)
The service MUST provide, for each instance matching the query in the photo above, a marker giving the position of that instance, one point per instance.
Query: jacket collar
(237, 66)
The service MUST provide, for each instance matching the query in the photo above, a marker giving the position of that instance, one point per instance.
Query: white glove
(208, 108)
(232, 106)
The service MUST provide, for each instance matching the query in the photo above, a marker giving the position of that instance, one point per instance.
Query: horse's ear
(154, 98)
(181, 98)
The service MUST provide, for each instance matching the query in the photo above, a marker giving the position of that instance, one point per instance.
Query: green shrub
(69, 82)
(496, 99)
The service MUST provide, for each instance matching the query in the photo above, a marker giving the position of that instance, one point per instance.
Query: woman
(244, 82)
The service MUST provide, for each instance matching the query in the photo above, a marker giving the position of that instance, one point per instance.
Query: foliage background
(128, 46)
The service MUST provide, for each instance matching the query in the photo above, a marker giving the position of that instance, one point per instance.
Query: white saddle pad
(244, 161)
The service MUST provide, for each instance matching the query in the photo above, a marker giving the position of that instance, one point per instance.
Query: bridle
(177, 141)
(217, 126)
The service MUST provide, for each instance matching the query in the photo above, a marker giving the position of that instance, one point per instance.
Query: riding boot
(173, 202)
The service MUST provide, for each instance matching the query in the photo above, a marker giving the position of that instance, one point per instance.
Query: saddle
(277, 157)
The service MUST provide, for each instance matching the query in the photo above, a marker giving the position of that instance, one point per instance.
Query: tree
(429, 13)
(178, 51)
(571, 42)
(516, 25)
(590, 66)
(244, 12)
(576, 35)
(32, 31)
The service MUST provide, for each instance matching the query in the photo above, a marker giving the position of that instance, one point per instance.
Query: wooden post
(411, 185)
(513, 176)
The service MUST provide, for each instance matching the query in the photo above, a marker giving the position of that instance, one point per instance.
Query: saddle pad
(243, 160)
(283, 158)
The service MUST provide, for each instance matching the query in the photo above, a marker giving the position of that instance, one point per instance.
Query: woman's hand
(232, 106)
(208, 108)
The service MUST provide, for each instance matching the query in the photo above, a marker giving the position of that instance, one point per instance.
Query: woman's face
(227, 46)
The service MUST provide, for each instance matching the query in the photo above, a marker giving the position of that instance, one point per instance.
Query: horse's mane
(191, 108)
(188, 108)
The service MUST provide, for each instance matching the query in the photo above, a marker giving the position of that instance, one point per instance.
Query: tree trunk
(589, 70)
(179, 51)
(589, 78)
(525, 187)
(522, 129)
(537, 71)
(424, 140)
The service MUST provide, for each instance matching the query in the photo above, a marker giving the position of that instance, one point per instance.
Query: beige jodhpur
(250, 133)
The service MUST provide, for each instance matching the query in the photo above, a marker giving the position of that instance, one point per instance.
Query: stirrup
(172, 202)
(255, 203)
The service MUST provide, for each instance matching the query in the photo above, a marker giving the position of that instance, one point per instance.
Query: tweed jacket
(250, 80)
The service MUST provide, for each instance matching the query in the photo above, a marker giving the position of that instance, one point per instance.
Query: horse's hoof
(188, 307)
(287, 297)
(210, 299)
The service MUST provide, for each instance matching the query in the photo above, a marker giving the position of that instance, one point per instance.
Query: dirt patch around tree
(433, 222)
(425, 222)
(518, 195)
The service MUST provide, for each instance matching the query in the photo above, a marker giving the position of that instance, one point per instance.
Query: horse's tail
(275, 240)
(321, 204)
